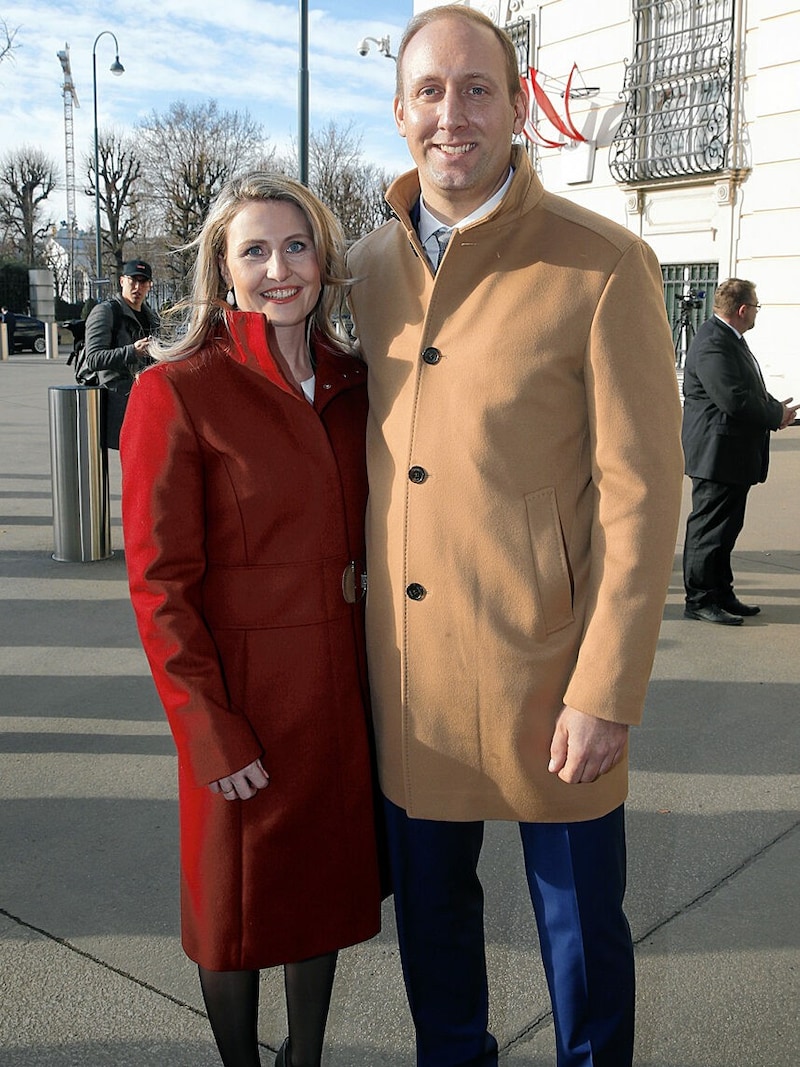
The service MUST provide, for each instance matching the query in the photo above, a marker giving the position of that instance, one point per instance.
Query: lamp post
(116, 68)
(302, 96)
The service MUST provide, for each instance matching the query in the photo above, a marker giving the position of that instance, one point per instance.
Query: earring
(231, 298)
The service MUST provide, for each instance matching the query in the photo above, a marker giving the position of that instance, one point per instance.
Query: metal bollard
(51, 340)
(3, 341)
(79, 469)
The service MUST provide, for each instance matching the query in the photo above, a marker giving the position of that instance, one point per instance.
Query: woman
(244, 490)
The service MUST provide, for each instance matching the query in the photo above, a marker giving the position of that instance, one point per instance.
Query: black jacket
(727, 411)
(110, 352)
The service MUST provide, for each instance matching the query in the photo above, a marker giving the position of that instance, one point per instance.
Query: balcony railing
(678, 91)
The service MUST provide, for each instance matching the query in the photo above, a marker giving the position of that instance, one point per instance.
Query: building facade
(680, 120)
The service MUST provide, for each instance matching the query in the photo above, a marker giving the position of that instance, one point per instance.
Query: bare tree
(352, 189)
(190, 152)
(55, 258)
(27, 177)
(8, 43)
(121, 190)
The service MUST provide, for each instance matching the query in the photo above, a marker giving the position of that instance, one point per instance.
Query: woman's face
(271, 262)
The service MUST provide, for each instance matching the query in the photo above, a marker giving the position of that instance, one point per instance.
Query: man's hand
(789, 412)
(584, 747)
(243, 784)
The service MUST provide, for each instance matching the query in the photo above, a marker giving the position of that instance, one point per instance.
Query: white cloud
(243, 53)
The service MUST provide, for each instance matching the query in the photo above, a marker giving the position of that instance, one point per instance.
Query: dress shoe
(736, 607)
(713, 613)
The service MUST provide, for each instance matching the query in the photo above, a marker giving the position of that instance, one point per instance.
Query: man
(525, 474)
(118, 341)
(727, 418)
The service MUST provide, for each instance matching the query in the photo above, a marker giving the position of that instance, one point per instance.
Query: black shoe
(713, 613)
(736, 607)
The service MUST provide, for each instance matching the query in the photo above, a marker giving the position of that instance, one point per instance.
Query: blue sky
(243, 53)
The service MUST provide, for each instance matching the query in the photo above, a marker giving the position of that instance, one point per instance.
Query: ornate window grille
(678, 87)
(520, 34)
(689, 296)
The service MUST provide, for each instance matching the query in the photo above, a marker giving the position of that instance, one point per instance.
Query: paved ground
(91, 971)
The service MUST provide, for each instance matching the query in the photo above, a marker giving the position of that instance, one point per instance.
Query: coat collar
(524, 193)
(248, 345)
(146, 312)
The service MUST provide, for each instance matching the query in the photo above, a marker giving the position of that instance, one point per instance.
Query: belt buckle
(354, 581)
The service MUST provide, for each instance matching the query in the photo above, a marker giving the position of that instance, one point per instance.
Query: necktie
(442, 235)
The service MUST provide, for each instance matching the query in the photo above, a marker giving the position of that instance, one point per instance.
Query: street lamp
(302, 96)
(116, 68)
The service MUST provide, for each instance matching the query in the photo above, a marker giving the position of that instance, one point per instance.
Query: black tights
(231, 999)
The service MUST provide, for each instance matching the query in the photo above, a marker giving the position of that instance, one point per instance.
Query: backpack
(84, 376)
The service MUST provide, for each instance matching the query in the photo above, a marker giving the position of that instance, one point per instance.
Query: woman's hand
(243, 784)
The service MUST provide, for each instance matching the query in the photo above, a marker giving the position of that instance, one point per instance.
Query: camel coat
(525, 475)
(243, 506)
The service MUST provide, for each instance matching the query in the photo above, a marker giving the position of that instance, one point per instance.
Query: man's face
(134, 290)
(456, 114)
(748, 313)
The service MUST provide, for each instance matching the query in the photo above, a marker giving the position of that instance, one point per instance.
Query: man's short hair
(732, 293)
(468, 14)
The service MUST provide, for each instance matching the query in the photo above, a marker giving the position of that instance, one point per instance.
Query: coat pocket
(550, 563)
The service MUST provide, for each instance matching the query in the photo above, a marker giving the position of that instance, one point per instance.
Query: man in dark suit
(727, 418)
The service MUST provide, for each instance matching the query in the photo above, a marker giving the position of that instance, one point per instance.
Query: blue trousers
(576, 879)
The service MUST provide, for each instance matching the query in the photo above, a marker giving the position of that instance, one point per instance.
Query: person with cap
(118, 335)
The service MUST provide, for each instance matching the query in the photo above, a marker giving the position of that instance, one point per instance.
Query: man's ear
(520, 111)
(398, 116)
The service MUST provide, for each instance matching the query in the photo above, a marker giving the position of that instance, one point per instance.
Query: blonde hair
(466, 14)
(194, 320)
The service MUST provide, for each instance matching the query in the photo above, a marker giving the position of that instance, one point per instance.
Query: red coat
(242, 507)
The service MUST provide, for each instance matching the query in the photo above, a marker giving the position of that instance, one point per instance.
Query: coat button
(431, 355)
(417, 475)
(415, 591)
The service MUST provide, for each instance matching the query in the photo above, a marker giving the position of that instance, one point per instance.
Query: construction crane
(70, 97)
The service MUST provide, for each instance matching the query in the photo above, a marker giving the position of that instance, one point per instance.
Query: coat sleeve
(637, 474)
(163, 516)
(734, 387)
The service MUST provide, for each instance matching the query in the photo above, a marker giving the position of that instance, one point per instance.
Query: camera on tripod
(691, 300)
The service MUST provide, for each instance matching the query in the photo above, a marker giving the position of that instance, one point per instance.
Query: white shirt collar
(726, 323)
(428, 223)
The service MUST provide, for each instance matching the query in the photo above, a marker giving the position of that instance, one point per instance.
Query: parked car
(29, 334)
